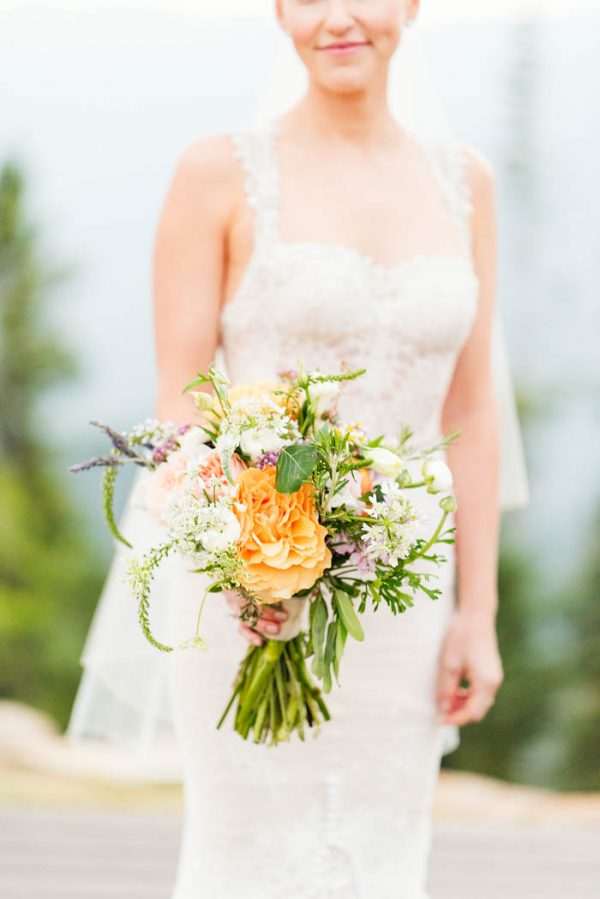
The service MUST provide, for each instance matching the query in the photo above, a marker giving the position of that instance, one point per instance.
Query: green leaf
(350, 589)
(345, 610)
(340, 642)
(200, 379)
(318, 623)
(329, 655)
(294, 466)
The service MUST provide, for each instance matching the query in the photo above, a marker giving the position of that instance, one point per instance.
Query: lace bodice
(331, 304)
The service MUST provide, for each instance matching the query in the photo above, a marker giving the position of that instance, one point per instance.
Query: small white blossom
(193, 443)
(256, 441)
(323, 396)
(201, 528)
(256, 430)
(397, 528)
(384, 461)
(437, 474)
(154, 431)
(225, 531)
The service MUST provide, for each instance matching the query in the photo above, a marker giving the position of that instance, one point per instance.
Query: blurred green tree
(576, 702)
(494, 745)
(542, 729)
(49, 573)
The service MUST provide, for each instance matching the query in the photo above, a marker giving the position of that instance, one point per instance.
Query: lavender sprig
(119, 441)
(96, 462)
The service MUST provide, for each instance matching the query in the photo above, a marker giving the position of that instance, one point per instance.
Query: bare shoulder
(480, 175)
(205, 174)
(208, 157)
(480, 178)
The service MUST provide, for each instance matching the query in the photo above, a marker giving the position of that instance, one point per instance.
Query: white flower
(384, 461)
(193, 443)
(203, 400)
(225, 531)
(256, 441)
(437, 474)
(323, 395)
(202, 528)
(394, 533)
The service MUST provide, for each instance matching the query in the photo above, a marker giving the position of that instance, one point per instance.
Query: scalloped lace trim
(254, 150)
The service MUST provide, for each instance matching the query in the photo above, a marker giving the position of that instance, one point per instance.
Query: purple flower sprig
(161, 452)
(269, 458)
(344, 545)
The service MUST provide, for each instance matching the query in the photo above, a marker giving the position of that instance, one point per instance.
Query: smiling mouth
(347, 45)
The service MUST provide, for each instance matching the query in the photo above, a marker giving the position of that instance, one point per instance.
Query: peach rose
(212, 466)
(164, 482)
(281, 541)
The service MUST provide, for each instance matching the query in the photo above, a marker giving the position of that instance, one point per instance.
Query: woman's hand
(268, 621)
(470, 650)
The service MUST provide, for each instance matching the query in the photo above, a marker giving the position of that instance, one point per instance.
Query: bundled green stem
(275, 693)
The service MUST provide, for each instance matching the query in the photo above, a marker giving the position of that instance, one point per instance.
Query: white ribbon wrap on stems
(296, 607)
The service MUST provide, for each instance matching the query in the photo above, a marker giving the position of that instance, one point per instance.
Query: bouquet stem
(275, 693)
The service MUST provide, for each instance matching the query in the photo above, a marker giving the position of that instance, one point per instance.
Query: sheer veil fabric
(123, 697)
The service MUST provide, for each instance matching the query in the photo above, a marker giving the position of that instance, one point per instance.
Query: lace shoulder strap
(449, 164)
(253, 148)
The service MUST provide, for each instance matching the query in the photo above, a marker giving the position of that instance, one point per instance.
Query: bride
(333, 234)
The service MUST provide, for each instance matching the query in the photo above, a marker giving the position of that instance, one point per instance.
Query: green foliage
(542, 729)
(108, 497)
(294, 466)
(50, 576)
(49, 582)
(493, 746)
(345, 611)
(141, 575)
(575, 704)
(31, 357)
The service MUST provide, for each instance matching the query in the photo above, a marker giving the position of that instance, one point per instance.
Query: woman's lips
(343, 49)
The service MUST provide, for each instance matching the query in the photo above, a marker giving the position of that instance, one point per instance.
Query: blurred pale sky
(432, 10)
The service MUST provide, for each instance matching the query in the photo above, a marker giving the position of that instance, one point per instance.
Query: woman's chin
(345, 82)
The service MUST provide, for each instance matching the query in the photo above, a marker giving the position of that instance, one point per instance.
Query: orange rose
(281, 542)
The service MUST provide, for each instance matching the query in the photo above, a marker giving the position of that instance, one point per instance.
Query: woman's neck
(361, 118)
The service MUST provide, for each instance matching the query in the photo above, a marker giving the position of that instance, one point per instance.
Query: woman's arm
(470, 649)
(190, 259)
(188, 271)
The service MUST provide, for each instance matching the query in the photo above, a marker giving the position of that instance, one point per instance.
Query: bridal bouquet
(271, 495)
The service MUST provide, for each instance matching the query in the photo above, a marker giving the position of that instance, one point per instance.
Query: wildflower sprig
(139, 576)
(218, 381)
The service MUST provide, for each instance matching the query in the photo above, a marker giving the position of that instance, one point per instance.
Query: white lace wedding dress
(348, 814)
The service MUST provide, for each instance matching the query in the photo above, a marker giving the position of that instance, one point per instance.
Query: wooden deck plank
(78, 854)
